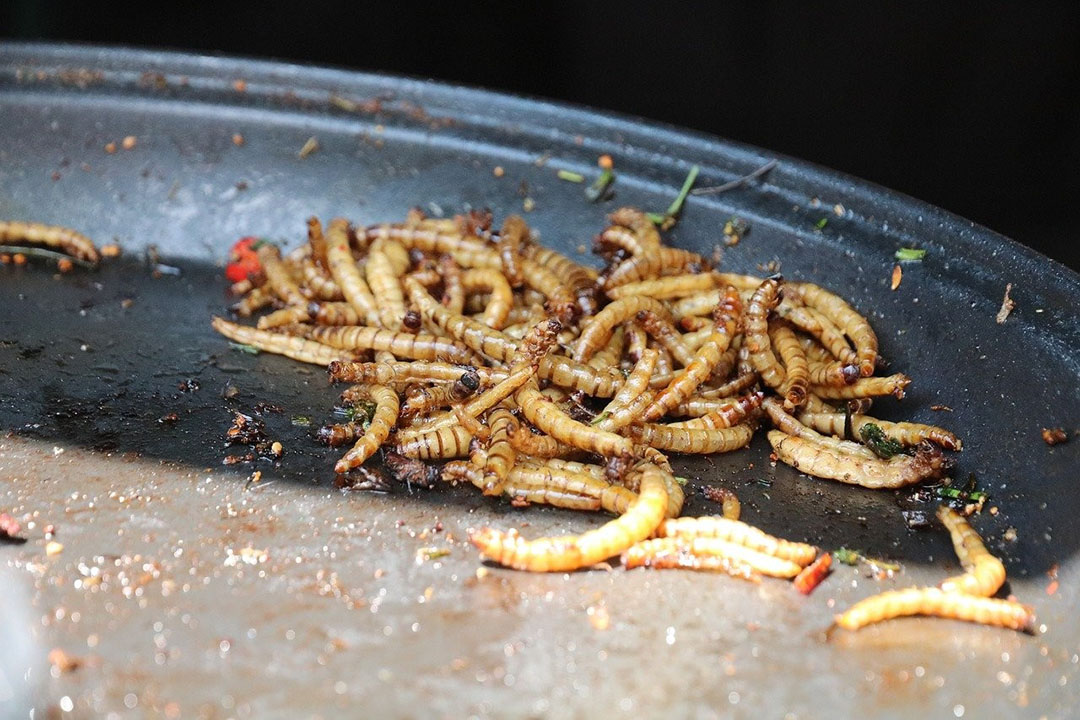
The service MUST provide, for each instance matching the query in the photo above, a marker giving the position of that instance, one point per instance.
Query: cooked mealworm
(501, 454)
(817, 325)
(467, 251)
(277, 275)
(937, 603)
(663, 359)
(832, 373)
(573, 376)
(796, 369)
(905, 433)
(611, 353)
(702, 547)
(984, 574)
(285, 316)
(704, 361)
(480, 338)
(557, 554)
(428, 399)
(730, 507)
(514, 232)
(453, 297)
(525, 493)
(665, 556)
(382, 422)
(666, 335)
(719, 413)
(243, 287)
(346, 274)
(501, 300)
(845, 462)
(664, 288)
(317, 243)
(812, 575)
(854, 325)
(739, 533)
(637, 340)
(63, 239)
(561, 302)
(385, 286)
(580, 279)
(447, 442)
(756, 342)
(420, 346)
(597, 331)
(734, 386)
(692, 440)
(317, 283)
(400, 373)
(620, 412)
(527, 442)
(339, 433)
(865, 387)
(615, 499)
(255, 300)
(645, 261)
(333, 313)
(675, 261)
(545, 415)
(296, 348)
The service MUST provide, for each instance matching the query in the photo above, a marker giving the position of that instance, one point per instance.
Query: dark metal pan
(182, 590)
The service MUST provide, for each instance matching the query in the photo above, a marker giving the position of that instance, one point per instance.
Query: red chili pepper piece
(813, 574)
(243, 260)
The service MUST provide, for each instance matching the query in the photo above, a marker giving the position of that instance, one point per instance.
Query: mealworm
(64, 239)
(597, 331)
(614, 499)
(905, 433)
(937, 603)
(703, 547)
(678, 557)
(382, 422)
(420, 346)
(817, 325)
(666, 335)
(580, 279)
(704, 361)
(756, 327)
(317, 282)
(984, 574)
(339, 433)
(844, 461)
(467, 251)
(692, 440)
(610, 355)
(645, 262)
(854, 325)
(520, 492)
(730, 507)
(346, 274)
(447, 442)
(277, 275)
(400, 373)
(796, 369)
(833, 373)
(333, 313)
(739, 533)
(527, 442)
(620, 411)
(428, 399)
(719, 413)
(255, 300)
(571, 552)
(511, 237)
(637, 340)
(666, 288)
(501, 454)
(317, 243)
(501, 300)
(545, 415)
(561, 302)
(385, 286)
(453, 296)
(296, 348)
(566, 373)
(480, 338)
(285, 316)
(865, 387)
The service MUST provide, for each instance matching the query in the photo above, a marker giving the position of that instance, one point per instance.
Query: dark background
(969, 106)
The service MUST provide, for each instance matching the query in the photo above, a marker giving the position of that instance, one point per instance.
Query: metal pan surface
(185, 593)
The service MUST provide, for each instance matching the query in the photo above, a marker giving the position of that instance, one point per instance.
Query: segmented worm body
(58, 238)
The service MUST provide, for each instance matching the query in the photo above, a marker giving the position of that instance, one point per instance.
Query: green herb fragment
(876, 439)
(431, 553)
(910, 255)
(846, 556)
(669, 218)
(820, 224)
(599, 189)
(241, 347)
(600, 418)
(301, 421)
(681, 480)
(570, 176)
(951, 493)
(361, 412)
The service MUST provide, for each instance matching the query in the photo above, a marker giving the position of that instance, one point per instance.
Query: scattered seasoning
(812, 575)
(64, 265)
(168, 418)
(19, 258)
(878, 566)
(53, 548)
(951, 493)
(301, 421)
(253, 479)
(897, 276)
(910, 255)
(310, 146)
(1052, 573)
(110, 147)
(238, 140)
(239, 85)
(10, 529)
(498, 171)
(1010, 534)
(112, 250)
(244, 348)
(1054, 436)
(129, 142)
(735, 229)
(1007, 306)
(670, 217)
(243, 259)
(599, 190)
(598, 617)
(941, 408)
(738, 182)
(247, 556)
(916, 519)
(63, 662)
(875, 438)
(430, 553)
(570, 176)
(528, 204)
(820, 224)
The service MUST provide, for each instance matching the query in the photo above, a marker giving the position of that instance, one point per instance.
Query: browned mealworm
(385, 286)
(524, 494)
(420, 346)
(467, 251)
(845, 461)
(663, 359)
(649, 554)
(734, 386)
(530, 476)
(561, 302)
(427, 399)
(243, 287)
(905, 433)
(558, 554)
(692, 440)
(704, 361)
(285, 316)
(756, 342)
(611, 353)
(333, 313)
(573, 376)
(739, 533)
(501, 300)
(865, 387)
(730, 507)
(819, 327)
(526, 442)
(597, 331)
(854, 325)
(318, 285)
(796, 368)
(547, 416)
(453, 297)
(645, 263)
(63, 239)
(637, 340)
(501, 454)
(346, 274)
(277, 275)
(832, 373)
(480, 338)
(937, 603)
(401, 373)
(665, 288)
(703, 547)
(622, 411)
(677, 261)
(317, 243)
(447, 442)
(340, 433)
(720, 413)
(296, 348)
(513, 235)
(984, 574)
(255, 300)
(666, 335)
(580, 279)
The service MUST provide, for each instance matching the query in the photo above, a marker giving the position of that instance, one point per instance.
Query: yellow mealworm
(865, 387)
(637, 340)
(453, 297)
(501, 454)
(400, 373)
(597, 331)
(720, 413)
(692, 440)
(420, 346)
(905, 433)
(817, 325)
(277, 275)
(382, 422)
(285, 316)
(559, 554)
(665, 288)
(520, 492)
(678, 557)
(317, 243)
(580, 279)
(740, 533)
(645, 263)
(255, 300)
(296, 348)
(467, 251)
(480, 338)
(63, 239)
(501, 300)
(444, 443)
(756, 342)
(937, 603)
(346, 274)
(984, 574)
(832, 373)
(547, 416)
(318, 285)
(620, 411)
(702, 547)
(796, 368)
(513, 234)
(561, 302)
(845, 461)
(614, 499)
(664, 333)
(385, 286)
(527, 442)
(333, 313)
(609, 355)
(427, 399)
(736, 385)
(854, 325)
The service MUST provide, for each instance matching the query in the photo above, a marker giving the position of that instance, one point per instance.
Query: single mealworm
(666, 556)
(614, 499)
(645, 263)
(740, 533)
(561, 302)
(382, 422)
(420, 346)
(580, 279)
(333, 313)
(453, 296)
(480, 338)
(501, 299)
(984, 574)
(444, 443)
(346, 274)
(692, 440)
(719, 413)
(340, 433)
(285, 316)
(612, 352)
(64, 239)
(666, 335)
(702, 547)
(559, 554)
(597, 331)
(513, 234)
(317, 243)
(277, 275)
(937, 603)
(854, 325)
(296, 348)
(255, 300)
(905, 433)
(636, 341)
(317, 282)
(385, 286)
(865, 387)
(756, 342)
(546, 415)
(501, 455)
(796, 369)
(400, 373)
(427, 399)
(620, 411)
(666, 288)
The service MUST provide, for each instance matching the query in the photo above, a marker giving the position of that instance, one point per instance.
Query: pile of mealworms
(567, 386)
